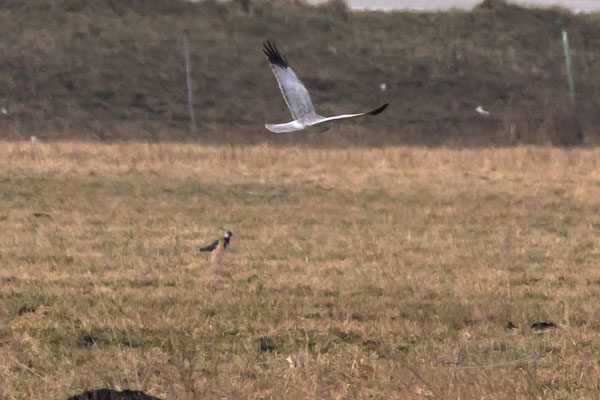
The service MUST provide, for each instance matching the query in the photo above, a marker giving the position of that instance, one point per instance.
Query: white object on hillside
(481, 111)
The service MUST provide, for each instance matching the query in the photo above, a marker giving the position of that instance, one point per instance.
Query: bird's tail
(287, 127)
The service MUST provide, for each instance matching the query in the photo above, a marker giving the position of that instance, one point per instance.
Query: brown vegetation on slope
(106, 70)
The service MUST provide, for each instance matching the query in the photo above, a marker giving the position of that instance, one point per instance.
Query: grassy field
(352, 273)
(106, 70)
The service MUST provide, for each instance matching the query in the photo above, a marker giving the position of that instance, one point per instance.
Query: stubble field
(353, 273)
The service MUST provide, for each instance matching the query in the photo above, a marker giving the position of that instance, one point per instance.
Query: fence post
(571, 80)
(188, 71)
(569, 65)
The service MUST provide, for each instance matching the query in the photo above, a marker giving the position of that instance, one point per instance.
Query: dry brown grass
(347, 269)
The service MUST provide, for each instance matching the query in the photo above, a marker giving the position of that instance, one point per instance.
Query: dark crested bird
(216, 248)
(224, 241)
(297, 98)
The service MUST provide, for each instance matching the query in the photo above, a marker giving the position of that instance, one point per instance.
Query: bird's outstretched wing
(347, 116)
(295, 94)
(211, 246)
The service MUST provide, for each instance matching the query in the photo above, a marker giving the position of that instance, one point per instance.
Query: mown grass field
(348, 271)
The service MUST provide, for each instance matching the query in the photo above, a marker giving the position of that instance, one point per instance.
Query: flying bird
(297, 98)
(216, 248)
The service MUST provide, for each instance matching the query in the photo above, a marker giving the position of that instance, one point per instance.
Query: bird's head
(228, 234)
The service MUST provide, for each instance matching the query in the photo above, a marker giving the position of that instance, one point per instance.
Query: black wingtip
(379, 110)
(273, 54)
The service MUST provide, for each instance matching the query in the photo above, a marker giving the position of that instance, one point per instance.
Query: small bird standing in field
(216, 248)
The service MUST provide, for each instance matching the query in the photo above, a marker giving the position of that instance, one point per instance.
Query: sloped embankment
(108, 70)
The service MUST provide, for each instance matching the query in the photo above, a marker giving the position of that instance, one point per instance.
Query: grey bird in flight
(297, 98)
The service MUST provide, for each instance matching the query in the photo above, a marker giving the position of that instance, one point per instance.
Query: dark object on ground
(41, 215)
(109, 394)
(538, 326)
(510, 325)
